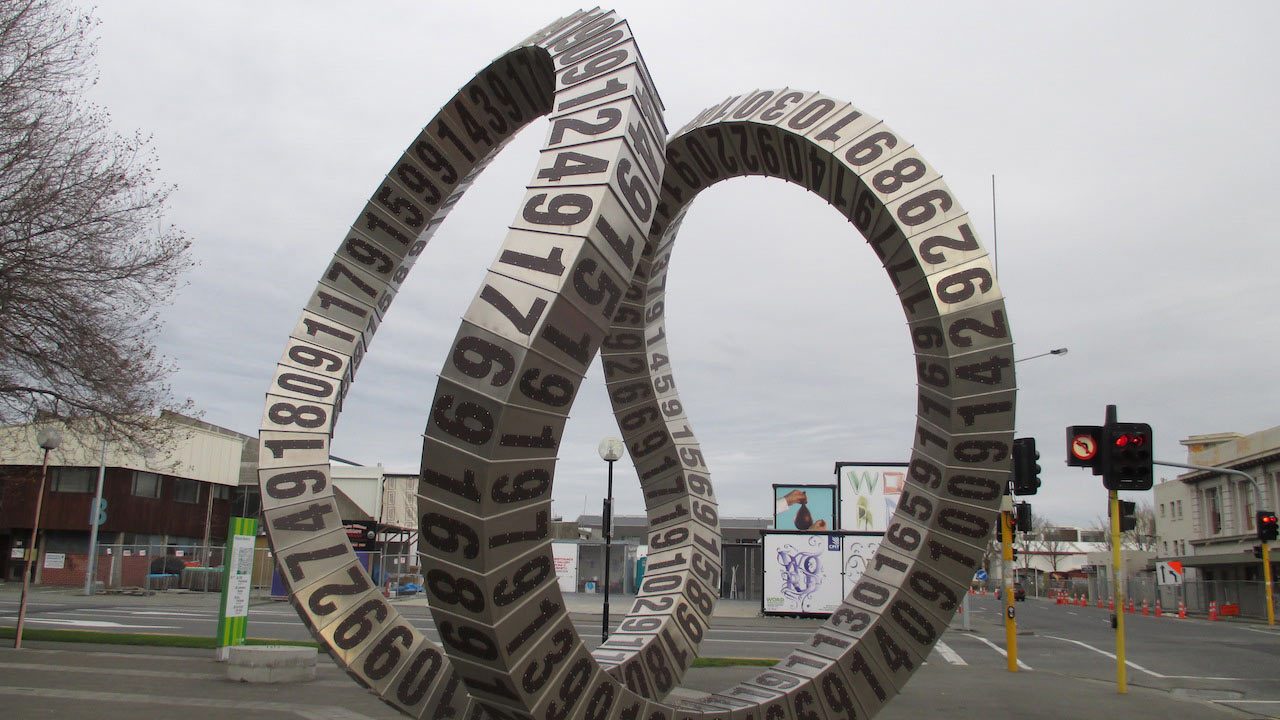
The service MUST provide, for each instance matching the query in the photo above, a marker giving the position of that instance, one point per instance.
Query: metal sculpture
(583, 269)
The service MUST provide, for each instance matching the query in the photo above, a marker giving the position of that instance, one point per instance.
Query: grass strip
(140, 639)
(192, 641)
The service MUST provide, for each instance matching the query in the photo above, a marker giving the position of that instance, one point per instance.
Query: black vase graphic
(804, 518)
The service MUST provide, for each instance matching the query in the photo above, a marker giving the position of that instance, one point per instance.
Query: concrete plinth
(271, 664)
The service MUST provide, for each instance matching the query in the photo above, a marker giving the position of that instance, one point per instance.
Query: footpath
(57, 680)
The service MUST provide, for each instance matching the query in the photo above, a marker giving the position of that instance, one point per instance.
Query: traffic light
(1015, 553)
(1125, 456)
(1022, 513)
(1268, 529)
(1026, 467)
(1128, 518)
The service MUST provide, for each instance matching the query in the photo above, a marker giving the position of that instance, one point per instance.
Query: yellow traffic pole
(1122, 685)
(1010, 624)
(1266, 583)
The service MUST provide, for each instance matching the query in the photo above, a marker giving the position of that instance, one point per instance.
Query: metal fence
(1243, 598)
(120, 567)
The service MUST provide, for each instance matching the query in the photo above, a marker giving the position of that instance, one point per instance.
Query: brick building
(181, 498)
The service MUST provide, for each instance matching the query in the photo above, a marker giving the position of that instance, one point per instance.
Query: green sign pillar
(237, 580)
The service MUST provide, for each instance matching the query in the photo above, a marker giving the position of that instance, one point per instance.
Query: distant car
(1018, 592)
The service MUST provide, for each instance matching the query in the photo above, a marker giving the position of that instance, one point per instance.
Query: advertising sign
(55, 561)
(802, 573)
(807, 508)
(237, 571)
(565, 555)
(858, 550)
(869, 494)
(363, 534)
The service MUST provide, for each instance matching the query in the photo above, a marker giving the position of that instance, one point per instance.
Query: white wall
(197, 453)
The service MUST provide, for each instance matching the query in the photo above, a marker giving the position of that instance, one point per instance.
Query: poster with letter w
(869, 494)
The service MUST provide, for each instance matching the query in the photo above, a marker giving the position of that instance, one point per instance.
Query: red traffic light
(1127, 439)
(1269, 519)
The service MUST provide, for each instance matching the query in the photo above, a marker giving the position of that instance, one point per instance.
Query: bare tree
(1052, 542)
(85, 256)
(1142, 537)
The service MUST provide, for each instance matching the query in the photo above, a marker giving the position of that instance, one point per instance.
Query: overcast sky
(1133, 146)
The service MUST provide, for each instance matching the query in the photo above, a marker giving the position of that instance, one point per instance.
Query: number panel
(291, 450)
(296, 523)
(307, 563)
(479, 425)
(318, 330)
(502, 538)
(294, 382)
(486, 363)
(482, 487)
(286, 414)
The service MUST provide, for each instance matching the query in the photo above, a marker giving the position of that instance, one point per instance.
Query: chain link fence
(140, 568)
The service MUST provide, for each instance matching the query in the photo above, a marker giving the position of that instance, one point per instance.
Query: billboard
(807, 508)
(857, 551)
(565, 555)
(802, 573)
(869, 494)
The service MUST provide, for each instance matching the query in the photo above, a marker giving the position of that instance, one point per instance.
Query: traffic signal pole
(1266, 579)
(1260, 499)
(1113, 496)
(1010, 624)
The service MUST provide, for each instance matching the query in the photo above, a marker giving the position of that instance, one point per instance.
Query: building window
(1161, 509)
(1247, 492)
(74, 479)
(1213, 510)
(1166, 546)
(1179, 509)
(186, 491)
(146, 484)
(221, 492)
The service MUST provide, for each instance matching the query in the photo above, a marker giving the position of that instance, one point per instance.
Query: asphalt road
(1233, 665)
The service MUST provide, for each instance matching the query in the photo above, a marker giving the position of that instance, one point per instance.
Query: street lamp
(48, 439)
(610, 450)
(1055, 351)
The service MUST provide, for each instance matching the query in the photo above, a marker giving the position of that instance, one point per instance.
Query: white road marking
(948, 654)
(1138, 667)
(99, 624)
(1001, 650)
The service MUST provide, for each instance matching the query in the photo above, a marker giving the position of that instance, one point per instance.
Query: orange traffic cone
(1159, 612)
(1084, 602)
(1182, 610)
(1111, 604)
(1145, 611)
(1131, 608)
(1099, 602)
(1213, 610)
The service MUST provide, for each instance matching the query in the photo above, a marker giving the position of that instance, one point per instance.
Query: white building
(1206, 520)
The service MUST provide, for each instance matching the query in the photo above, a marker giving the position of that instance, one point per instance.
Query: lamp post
(1055, 351)
(48, 439)
(610, 450)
